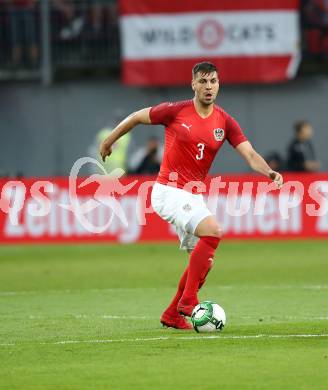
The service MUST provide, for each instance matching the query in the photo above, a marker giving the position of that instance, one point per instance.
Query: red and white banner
(249, 41)
(34, 211)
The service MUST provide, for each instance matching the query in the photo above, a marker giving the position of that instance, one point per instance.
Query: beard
(207, 102)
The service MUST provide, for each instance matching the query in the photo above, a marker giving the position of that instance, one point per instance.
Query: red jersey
(191, 142)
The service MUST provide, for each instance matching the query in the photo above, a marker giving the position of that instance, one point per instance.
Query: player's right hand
(105, 150)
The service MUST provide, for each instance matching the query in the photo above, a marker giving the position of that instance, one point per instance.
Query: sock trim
(212, 241)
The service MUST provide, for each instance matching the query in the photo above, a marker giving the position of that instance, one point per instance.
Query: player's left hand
(277, 178)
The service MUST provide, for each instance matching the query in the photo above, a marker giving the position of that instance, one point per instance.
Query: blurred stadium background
(80, 59)
(69, 71)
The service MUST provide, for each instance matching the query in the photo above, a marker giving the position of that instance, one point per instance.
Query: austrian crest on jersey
(218, 134)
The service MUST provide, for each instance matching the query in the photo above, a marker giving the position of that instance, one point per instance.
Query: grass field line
(145, 317)
(223, 287)
(170, 338)
(102, 316)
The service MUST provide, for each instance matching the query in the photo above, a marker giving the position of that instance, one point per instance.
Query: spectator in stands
(23, 30)
(73, 18)
(316, 26)
(301, 156)
(316, 12)
(103, 9)
(147, 159)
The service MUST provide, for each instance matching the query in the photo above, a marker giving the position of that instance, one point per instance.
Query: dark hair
(203, 67)
(298, 126)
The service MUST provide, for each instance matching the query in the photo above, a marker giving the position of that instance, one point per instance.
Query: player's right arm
(134, 119)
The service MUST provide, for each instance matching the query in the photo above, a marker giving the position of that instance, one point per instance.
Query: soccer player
(194, 132)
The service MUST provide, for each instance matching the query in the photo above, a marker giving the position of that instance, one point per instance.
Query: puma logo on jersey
(186, 126)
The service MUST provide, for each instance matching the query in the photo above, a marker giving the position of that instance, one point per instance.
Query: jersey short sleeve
(164, 113)
(235, 135)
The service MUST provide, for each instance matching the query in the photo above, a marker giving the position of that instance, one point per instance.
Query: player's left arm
(257, 162)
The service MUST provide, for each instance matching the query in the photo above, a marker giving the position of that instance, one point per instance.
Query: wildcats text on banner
(249, 41)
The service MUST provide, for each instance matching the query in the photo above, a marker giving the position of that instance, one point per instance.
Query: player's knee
(220, 233)
(209, 227)
(217, 232)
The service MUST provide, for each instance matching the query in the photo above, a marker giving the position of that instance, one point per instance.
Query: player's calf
(200, 262)
(203, 278)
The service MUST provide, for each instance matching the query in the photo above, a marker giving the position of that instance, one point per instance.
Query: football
(208, 316)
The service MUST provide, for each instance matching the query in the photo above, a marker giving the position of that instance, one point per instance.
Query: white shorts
(182, 209)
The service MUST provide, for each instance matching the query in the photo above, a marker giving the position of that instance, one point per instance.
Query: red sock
(204, 275)
(181, 287)
(199, 265)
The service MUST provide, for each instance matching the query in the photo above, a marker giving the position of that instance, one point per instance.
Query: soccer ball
(208, 316)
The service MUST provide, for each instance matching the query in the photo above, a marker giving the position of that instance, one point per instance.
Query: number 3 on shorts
(201, 148)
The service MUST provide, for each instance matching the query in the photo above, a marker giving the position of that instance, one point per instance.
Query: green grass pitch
(87, 317)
